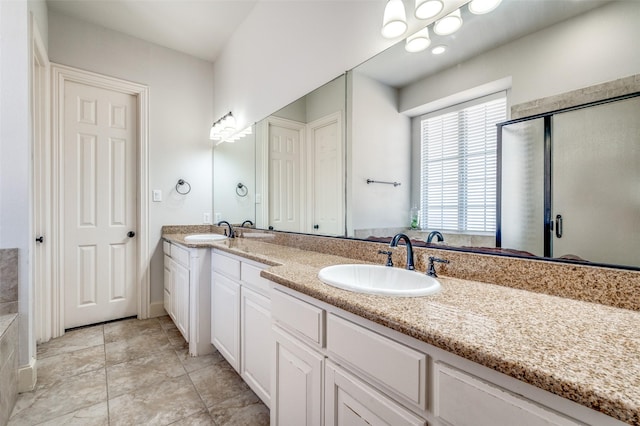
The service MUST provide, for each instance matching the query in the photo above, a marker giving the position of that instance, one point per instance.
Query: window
(458, 166)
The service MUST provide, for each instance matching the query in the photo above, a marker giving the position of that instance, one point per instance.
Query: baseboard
(156, 309)
(27, 376)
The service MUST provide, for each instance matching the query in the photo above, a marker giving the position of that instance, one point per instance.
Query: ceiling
(511, 20)
(199, 28)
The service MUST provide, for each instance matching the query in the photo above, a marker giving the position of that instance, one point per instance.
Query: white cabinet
(180, 300)
(241, 319)
(225, 318)
(374, 375)
(351, 402)
(296, 386)
(187, 277)
(255, 332)
(168, 287)
(462, 399)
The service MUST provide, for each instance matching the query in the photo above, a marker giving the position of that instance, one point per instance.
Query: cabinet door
(296, 384)
(351, 402)
(180, 299)
(168, 283)
(225, 318)
(255, 345)
(465, 400)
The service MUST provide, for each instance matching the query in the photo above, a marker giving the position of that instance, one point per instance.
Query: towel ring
(242, 190)
(182, 182)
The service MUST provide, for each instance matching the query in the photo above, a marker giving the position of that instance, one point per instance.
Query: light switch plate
(157, 195)
(206, 218)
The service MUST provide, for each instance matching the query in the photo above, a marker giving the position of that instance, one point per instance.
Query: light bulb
(394, 23)
(480, 7)
(426, 9)
(439, 50)
(449, 24)
(418, 41)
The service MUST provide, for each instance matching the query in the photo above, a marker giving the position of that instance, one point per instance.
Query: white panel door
(99, 205)
(326, 176)
(286, 198)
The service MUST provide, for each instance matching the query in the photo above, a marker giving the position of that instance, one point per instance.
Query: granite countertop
(586, 352)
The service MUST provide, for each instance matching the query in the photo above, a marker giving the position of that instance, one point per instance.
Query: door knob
(131, 234)
(40, 239)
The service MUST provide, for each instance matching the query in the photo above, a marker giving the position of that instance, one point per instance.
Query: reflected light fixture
(439, 50)
(418, 41)
(426, 9)
(479, 7)
(394, 23)
(449, 24)
(236, 136)
(223, 127)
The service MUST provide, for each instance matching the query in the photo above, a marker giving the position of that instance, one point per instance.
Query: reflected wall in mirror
(528, 48)
(300, 164)
(234, 193)
(541, 49)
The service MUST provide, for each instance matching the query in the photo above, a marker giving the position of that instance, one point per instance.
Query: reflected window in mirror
(458, 163)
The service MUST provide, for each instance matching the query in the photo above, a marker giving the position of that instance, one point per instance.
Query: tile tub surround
(8, 365)
(586, 352)
(8, 281)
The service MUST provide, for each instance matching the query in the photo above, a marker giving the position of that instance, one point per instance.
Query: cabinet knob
(131, 234)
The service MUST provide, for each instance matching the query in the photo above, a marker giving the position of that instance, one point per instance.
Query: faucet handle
(431, 269)
(389, 254)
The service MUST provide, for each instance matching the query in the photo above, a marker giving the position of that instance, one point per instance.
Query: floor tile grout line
(200, 396)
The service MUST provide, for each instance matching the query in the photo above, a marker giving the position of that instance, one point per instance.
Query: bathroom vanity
(187, 288)
(474, 353)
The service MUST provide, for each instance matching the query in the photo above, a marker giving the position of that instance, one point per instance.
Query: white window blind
(458, 168)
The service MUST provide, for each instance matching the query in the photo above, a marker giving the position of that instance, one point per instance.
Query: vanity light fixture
(418, 41)
(223, 127)
(479, 7)
(449, 24)
(394, 23)
(236, 136)
(439, 50)
(426, 9)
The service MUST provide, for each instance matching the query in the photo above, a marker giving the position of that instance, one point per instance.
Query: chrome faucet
(394, 243)
(436, 234)
(231, 233)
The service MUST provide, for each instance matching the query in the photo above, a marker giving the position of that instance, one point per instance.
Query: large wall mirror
(525, 49)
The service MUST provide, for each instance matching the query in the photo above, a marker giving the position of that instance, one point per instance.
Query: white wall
(234, 163)
(180, 117)
(379, 150)
(589, 49)
(15, 151)
(283, 50)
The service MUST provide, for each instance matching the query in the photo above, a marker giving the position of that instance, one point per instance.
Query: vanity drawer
(463, 399)
(166, 247)
(396, 367)
(251, 276)
(226, 265)
(301, 318)
(180, 255)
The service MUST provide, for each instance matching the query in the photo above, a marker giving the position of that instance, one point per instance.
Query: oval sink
(204, 238)
(377, 279)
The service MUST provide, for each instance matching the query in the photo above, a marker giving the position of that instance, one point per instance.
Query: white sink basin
(378, 279)
(204, 238)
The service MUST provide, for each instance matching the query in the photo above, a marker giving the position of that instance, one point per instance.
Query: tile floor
(134, 372)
